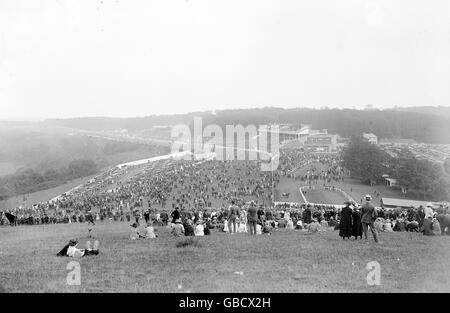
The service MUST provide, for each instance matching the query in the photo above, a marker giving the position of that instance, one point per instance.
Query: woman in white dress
(199, 229)
(242, 228)
(290, 224)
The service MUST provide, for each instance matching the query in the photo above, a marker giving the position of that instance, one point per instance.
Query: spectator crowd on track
(195, 197)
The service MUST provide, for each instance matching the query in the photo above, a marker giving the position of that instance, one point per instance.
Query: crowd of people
(212, 195)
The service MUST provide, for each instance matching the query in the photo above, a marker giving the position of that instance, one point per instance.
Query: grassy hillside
(35, 158)
(286, 261)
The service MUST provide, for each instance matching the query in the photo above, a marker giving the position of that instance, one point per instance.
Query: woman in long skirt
(345, 225)
(357, 227)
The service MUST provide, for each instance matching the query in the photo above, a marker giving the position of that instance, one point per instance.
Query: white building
(372, 138)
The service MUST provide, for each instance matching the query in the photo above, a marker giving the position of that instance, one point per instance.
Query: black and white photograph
(224, 147)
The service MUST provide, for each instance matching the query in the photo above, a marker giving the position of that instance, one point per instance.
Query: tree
(422, 178)
(365, 161)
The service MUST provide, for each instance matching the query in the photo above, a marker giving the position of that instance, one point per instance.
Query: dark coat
(307, 216)
(345, 225)
(188, 230)
(175, 215)
(356, 226)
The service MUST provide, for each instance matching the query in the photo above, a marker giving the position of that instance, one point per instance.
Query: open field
(352, 187)
(324, 196)
(287, 261)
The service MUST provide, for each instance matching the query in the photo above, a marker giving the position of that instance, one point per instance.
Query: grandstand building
(302, 136)
(321, 141)
(289, 132)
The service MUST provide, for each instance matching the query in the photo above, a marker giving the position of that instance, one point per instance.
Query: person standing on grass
(368, 217)
(345, 224)
(233, 214)
(356, 226)
(175, 215)
(137, 215)
(428, 220)
(147, 216)
(307, 214)
(252, 217)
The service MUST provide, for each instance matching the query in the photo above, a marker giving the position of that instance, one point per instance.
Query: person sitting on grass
(135, 232)
(189, 228)
(258, 229)
(207, 229)
(313, 227)
(436, 226)
(267, 229)
(323, 224)
(379, 224)
(399, 225)
(299, 225)
(177, 228)
(242, 227)
(199, 229)
(149, 232)
(290, 224)
(412, 226)
(71, 249)
(387, 227)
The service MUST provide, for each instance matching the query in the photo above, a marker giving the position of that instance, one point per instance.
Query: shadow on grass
(188, 242)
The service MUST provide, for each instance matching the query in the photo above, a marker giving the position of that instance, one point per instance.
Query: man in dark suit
(368, 217)
(175, 215)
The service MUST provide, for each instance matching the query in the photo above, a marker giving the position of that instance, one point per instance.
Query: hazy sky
(64, 58)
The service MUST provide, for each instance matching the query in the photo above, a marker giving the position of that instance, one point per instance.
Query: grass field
(352, 187)
(324, 196)
(287, 261)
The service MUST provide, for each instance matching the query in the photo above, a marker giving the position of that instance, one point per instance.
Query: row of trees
(422, 179)
(31, 180)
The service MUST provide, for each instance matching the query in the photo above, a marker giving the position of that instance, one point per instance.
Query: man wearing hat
(368, 217)
(175, 215)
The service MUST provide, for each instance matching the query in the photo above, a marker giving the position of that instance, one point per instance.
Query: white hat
(368, 197)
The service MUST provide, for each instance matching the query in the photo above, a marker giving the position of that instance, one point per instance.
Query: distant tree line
(422, 179)
(31, 180)
(422, 127)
